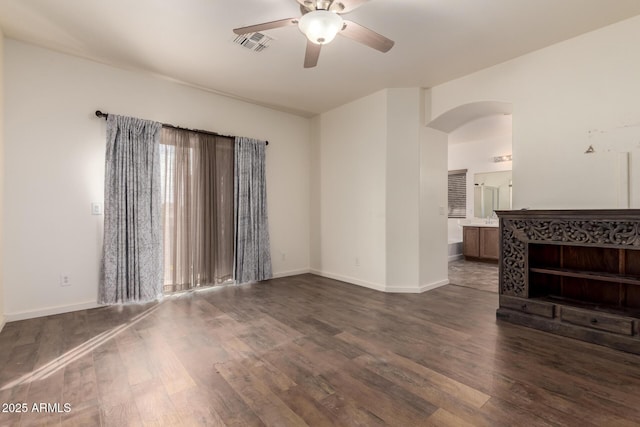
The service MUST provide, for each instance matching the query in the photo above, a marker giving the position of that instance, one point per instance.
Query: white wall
(2, 309)
(433, 201)
(315, 193)
(55, 169)
(567, 96)
(380, 181)
(433, 208)
(403, 189)
(350, 176)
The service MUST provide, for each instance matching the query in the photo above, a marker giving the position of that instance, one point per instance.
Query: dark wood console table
(574, 273)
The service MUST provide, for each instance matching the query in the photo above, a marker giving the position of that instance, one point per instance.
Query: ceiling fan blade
(311, 55)
(346, 6)
(366, 36)
(266, 26)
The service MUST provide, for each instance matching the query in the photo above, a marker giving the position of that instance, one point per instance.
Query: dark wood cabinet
(480, 243)
(573, 273)
(489, 247)
(471, 242)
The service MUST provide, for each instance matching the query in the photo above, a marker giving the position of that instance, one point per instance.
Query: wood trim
(598, 214)
(604, 277)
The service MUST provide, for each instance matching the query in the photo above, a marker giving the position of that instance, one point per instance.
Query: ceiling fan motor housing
(321, 21)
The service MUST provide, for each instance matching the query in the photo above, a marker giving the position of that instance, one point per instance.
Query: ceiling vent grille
(256, 42)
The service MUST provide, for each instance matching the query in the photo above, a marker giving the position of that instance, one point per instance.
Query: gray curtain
(197, 205)
(252, 251)
(131, 263)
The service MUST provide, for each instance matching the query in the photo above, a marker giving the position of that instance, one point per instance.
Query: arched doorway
(479, 163)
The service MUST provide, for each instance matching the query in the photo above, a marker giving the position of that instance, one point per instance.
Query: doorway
(480, 146)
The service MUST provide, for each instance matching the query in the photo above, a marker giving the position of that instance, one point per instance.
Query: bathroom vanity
(573, 273)
(480, 242)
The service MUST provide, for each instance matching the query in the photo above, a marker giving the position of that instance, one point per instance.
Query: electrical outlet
(65, 279)
(357, 262)
(284, 256)
(96, 208)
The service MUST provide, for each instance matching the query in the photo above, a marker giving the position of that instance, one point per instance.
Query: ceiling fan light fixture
(320, 26)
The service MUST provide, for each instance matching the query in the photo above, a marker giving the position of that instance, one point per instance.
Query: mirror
(492, 192)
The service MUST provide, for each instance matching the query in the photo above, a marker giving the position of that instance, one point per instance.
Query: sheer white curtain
(197, 205)
(131, 259)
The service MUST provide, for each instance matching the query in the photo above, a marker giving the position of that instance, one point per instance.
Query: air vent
(256, 42)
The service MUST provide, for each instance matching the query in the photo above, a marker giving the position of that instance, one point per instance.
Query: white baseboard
(434, 285)
(291, 273)
(455, 257)
(401, 290)
(351, 280)
(418, 290)
(3, 322)
(49, 311)
(382, 288)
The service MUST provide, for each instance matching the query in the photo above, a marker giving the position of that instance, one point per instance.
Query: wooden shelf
(591, 275)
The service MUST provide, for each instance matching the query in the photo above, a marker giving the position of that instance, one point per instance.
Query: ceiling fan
(320, 22)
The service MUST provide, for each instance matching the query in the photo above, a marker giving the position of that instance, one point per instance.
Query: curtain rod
(166, 125)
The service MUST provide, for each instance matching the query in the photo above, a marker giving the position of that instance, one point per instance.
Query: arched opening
(479, 161)
(456, 117)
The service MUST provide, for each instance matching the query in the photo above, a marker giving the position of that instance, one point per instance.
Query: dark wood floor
(311, 351)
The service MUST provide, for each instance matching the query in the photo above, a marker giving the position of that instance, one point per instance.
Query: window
(197, 202)
(457, 190)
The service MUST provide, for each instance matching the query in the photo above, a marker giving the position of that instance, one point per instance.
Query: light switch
(96, 208)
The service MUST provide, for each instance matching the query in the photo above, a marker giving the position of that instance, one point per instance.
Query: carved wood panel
(516, 233)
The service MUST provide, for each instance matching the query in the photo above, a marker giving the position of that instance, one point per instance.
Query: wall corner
(2, 308)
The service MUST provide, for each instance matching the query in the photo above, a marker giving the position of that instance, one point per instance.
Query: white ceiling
(191, 41)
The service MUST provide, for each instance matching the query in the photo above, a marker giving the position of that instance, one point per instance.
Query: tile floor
(482, 276)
